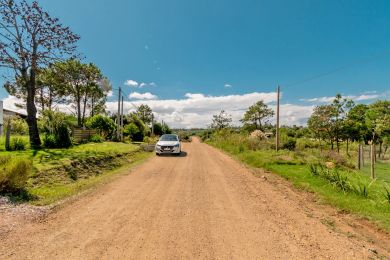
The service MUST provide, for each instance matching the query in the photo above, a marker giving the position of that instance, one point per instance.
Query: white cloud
(9, 103)
(131, 83)
(196, 109)
(143, 96)
(228, 86)
(151, 84)
(362, 97)
(110, 93)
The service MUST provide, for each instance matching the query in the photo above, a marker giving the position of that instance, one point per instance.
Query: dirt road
(202, 205)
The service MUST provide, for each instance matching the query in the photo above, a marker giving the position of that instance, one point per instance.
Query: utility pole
(277, 119)
(122, 120)
(152, 124)
(118, 131)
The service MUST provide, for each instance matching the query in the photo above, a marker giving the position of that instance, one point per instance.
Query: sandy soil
(202, 205)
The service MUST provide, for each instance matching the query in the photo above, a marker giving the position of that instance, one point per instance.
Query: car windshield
(168, 138)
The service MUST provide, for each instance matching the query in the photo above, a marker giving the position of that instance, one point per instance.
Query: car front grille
(166, 147)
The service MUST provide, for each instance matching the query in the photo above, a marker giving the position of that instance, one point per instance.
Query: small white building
(4, 113)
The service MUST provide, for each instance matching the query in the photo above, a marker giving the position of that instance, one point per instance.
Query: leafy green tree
(157, 128)
(166, 129)
(321, 124)
(81, 85)
(357, 129)
(145, 113)
(143, 129)
(29, 40)
(341, 106)
(378, 118)
(104, 124)
(48, 88)
(257, 115)
(221, 120)
(133, 132)
(378, 121)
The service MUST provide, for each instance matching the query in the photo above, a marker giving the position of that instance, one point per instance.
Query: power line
(363, 60)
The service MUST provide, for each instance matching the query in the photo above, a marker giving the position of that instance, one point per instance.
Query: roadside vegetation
(67, 140)
(321, 158)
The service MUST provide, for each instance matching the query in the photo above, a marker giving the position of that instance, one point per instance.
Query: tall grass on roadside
(387, 194)
(14, 173)
(340, 179)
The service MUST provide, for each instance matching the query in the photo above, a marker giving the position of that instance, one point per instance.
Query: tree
(257, 115)
(48, 89)
(144, 112)
(378, 118)
(99, 97)
(104, 124)
(340, 129)
(157, 128)
(81, 86)
(320, 122)
(30, 39)
(136, 128)
(221, 120)
(356, 123)
(378, 121)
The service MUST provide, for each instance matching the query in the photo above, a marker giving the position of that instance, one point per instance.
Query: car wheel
(157, 154)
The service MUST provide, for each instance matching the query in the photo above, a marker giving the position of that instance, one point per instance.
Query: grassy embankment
(353, 192)
(60, 173)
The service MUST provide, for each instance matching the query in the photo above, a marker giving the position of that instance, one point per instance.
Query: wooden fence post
(373, 161)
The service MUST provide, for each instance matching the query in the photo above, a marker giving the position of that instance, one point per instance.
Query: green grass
(59, 173)
(49, 194)
(293, 166)
(48, 158)
(382, 170)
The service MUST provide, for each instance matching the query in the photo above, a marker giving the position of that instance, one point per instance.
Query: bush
(134, 132)
(54, 123)
(104, 124)
(14, 172)
(96, 139)
(150, 140)
(63, 137)
(290, 144)
(49, 141)
(303, 143)
(18, 144)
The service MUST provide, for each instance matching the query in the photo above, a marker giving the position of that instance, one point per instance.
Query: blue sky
(252, 46)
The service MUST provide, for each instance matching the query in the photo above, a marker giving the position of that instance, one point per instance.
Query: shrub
(290, 144)
(49, 141)
(133, 131)
(18, 144)
(63, 137)
(387, 194)
(303, 143)
(104, 124)
(184, 136)
(14, 172)
(54, 123)
(96, 139)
